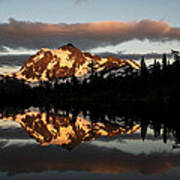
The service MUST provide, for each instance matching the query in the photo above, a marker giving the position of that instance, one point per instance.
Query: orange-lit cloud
(84, 35)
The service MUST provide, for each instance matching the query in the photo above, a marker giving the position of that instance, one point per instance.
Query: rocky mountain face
(66, 130)
(68, 61)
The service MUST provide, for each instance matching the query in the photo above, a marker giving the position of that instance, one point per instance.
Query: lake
(70, 143)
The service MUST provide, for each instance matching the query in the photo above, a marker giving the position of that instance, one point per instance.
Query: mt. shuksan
(67, 61)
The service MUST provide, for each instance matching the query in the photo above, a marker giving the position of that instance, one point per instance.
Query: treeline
(158, 83)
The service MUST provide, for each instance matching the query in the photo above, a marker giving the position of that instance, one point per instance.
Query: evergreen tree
(144, 70)
(158, 66)
(155, 62)
(154, 68)
(176, 56)
(154, 65)
(143, 130)
(164, 61)
(168, 63)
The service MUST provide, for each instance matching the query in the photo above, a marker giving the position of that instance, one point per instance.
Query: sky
(129, 27)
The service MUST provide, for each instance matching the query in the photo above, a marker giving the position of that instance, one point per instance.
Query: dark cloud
(134, 56)
(83, 35)
(13, 60)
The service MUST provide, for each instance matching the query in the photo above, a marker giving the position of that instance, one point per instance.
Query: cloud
(7, 51)
(12, 61)
(134, 56)
(83, 35)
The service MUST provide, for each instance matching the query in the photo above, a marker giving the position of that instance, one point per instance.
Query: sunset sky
(116, 26)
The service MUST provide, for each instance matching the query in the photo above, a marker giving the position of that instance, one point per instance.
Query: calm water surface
(60, 144)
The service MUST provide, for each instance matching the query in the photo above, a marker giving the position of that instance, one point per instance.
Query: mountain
(66, 130)
(67, 61)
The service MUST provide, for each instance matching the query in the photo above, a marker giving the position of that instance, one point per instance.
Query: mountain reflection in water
(108, 145)
(66, 130)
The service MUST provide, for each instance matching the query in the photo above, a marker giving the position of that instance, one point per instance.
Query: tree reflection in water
(71, 126)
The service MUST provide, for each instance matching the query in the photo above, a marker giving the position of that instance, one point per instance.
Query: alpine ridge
(67, 61)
